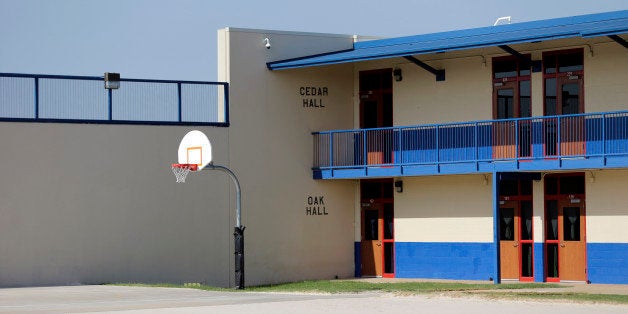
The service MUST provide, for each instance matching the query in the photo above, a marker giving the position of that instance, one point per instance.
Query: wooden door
(509, 237)
(372, 236)
(505, 95)
(572, 243)
(572, 129)
(376, 112)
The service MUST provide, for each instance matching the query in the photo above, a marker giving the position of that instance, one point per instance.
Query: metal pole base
(238, 237)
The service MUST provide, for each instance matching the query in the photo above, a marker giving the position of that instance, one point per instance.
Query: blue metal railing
(83, 99)
(602, 134)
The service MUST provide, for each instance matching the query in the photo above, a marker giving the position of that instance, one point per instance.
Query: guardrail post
(36, 98)
(110, 103)
(558, 127)
(604, 139)
(331, 150)
(517, 142)
(437, 150)
(179, 99)
(477, 152)
(399, 146)
(364, 152)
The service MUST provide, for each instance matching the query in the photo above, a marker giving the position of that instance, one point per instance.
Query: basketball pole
(238, 234)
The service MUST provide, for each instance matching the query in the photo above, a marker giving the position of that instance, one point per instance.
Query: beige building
(496, 153)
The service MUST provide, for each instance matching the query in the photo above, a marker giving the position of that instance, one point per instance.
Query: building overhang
(611, 24)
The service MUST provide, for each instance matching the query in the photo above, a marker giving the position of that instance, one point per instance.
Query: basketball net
(181, 171)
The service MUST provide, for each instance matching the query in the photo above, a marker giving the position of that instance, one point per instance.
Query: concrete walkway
(575, 287)
(117, 299)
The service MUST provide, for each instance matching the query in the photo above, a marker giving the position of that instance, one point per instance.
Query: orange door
(572, 129)
(372, 236)
(509, 240)
(376, 112)
(572, 240)
(505, 95)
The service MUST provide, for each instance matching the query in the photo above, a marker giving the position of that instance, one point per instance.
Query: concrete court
(114, 299)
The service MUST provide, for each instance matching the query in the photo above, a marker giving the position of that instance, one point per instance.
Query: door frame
(560, 199)
(383, 201)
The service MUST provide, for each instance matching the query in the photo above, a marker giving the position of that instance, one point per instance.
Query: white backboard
(195, 149)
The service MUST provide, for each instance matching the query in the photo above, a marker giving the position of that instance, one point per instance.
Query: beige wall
(444, 209)
(88, 204)
(271, 151)
(607, 206)
(606, 78)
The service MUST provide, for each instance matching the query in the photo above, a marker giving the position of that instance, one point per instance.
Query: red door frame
(558, 197)
(519, 198)
(383, 201)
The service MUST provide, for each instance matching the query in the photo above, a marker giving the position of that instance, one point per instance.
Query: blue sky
(159, 39)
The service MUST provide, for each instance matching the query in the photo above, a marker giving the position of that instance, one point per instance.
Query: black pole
(238, 237)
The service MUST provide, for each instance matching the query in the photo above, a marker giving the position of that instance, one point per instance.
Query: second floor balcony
(548, 143)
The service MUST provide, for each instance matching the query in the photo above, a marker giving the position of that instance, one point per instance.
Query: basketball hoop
(181, 171)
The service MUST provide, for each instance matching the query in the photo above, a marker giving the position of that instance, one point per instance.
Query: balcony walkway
(551, 143)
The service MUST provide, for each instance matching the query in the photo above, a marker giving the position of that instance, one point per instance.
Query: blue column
(496, 276)
(539, 258)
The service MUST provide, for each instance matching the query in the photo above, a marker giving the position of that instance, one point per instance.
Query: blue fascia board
(535, 165)
(591, 25)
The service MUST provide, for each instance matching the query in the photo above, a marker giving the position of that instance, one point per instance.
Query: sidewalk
(574, 287)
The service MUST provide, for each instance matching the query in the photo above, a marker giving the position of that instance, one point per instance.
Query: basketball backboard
(195, 149)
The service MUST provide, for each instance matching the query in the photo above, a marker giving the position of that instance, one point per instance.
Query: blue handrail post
(437, 149)
(331, 150)
(517, 142)
(558, 153)
(604, 139)
(399, 147)
(364, 152)
(477, 152)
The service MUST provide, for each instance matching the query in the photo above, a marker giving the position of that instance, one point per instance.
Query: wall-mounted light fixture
(591, 176)
(112, 80)
(399, 186)
(267, 43)
(485, 179)
(397, 75)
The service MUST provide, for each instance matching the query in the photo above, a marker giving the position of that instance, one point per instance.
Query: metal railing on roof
(83, 99)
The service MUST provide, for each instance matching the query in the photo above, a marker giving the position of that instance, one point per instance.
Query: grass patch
(350, 286)
(564, 296)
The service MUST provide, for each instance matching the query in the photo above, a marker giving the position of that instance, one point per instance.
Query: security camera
(267, 43)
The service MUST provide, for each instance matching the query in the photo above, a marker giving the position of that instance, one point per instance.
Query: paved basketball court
(83, 299)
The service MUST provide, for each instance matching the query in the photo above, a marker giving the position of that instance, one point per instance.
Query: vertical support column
(496, 274)
(538, 229)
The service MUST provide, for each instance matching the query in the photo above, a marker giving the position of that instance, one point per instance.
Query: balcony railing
(539, 143)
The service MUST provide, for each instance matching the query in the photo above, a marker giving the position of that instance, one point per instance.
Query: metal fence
(579, 135)
(79, 99)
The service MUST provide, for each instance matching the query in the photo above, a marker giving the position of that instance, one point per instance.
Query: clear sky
(176, 39)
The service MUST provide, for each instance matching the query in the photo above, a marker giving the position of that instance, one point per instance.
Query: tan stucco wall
(606, 78)
(87, 204)
(607, 206)
(444, 209)
(271, 150)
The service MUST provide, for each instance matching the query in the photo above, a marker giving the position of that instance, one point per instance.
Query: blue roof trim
(591, 25)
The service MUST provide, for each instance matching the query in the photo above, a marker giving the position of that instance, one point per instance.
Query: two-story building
(496, 153)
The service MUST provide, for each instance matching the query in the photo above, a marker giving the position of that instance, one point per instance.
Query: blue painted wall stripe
(607, 262)
(470, 261)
